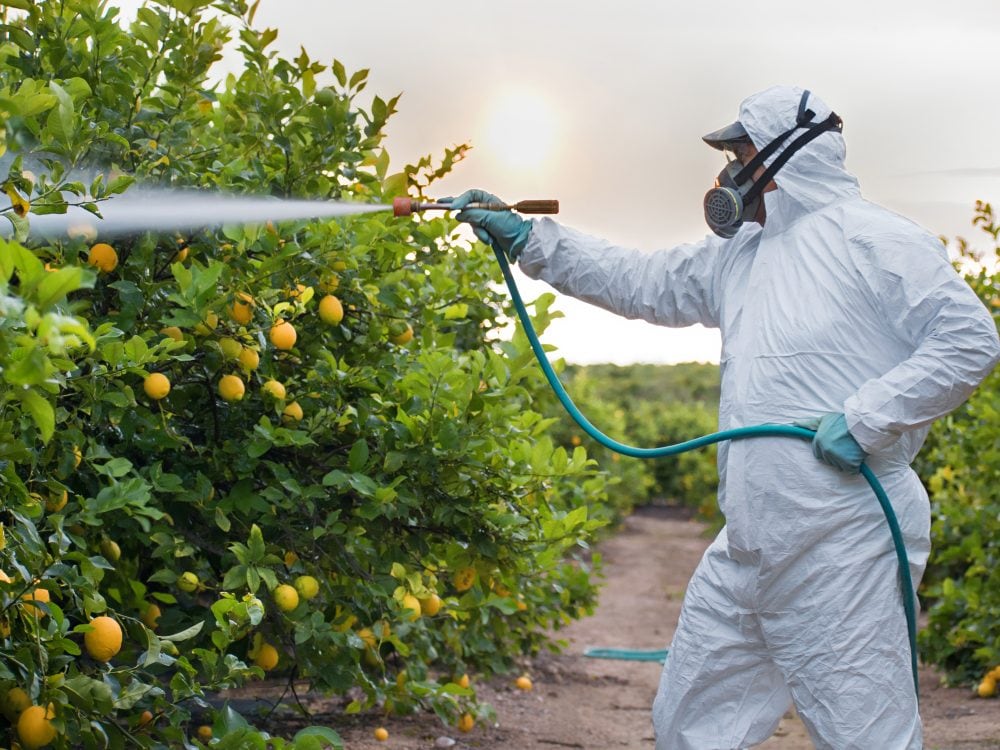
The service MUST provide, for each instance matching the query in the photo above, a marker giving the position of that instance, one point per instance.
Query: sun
(521, 130)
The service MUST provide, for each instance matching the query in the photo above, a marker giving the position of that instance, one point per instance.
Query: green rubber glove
(499, 229)
(834, 444)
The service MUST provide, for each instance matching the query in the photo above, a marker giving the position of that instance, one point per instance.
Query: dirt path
(595, 704)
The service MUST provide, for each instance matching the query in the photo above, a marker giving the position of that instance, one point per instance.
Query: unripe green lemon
(307, 586)
(231, 348)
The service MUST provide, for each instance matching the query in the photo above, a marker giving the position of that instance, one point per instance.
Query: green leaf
(357, 459)
(57, 284)
(184, 635)
(339, 72)
(395, 185)
(255, 545)
(41, 412)
(188, 6)
(120, 184)
(323, 733)
(62, 120)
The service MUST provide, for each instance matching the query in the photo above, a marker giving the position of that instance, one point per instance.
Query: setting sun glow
(521, 130)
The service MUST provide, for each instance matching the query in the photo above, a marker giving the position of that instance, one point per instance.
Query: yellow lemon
(57, 502)
(292, 412)
(286, 597)
(209, 324)
(987, 688)
(297, 292)
(188, 582)
(431, 605)
(329, 284)
(464, 578)
(38, 595)
(463, 681)
(150, 618)
(283, 335)
(77, 456)
(401, 335)
(290, 557)
(275, 389)
(173, 332)
(231, 388)
(85, 232)
(267, 657)
(231, 348)
(105, 640)
(339, 265)
(466, 723)
(410, 602)
(103, 257)
(111, 551)
(331, 311)
(307, 586)
(204, 733)
(34, 727)
(241, 311)
(14, 702)
(381, 734)
(366, 635)
(523, 683)
(156, 385)
(249, 359)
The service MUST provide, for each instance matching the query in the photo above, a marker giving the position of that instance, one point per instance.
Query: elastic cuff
(871, 441)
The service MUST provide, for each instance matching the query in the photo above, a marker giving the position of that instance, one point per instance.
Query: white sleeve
(954, 340)
(674, 287)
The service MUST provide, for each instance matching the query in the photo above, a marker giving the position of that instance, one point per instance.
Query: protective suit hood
(815, 177)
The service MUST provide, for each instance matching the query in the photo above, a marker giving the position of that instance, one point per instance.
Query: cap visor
(719, 138)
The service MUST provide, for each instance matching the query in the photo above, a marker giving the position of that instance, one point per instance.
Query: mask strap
(833, 122)
(802, 119)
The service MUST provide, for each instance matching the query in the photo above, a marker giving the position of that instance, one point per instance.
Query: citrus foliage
(646, 406)
(243, 478)
(961, 467)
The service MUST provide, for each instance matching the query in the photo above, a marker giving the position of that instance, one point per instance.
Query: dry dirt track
(595, 704)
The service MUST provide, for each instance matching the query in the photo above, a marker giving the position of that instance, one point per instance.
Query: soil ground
(596, 704)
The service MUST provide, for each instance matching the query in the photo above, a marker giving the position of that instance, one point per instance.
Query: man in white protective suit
(836, 313)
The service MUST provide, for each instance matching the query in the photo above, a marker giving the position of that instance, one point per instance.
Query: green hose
(768, 430)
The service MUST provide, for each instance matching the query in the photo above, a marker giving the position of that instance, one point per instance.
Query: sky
(602, 105)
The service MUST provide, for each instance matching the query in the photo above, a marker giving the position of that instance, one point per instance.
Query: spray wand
(409, 206)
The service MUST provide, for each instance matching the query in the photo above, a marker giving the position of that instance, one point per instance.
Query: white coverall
(835, 305)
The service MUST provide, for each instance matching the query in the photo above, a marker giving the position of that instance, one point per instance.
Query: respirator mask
(737, 196)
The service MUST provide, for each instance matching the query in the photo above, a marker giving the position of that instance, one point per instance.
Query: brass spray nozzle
(409, 206)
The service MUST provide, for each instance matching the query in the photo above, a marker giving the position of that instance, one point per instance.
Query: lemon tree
(960, 465)
(288, 449)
